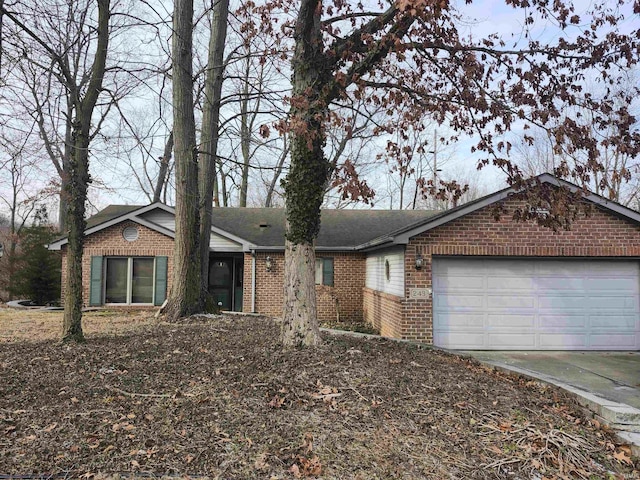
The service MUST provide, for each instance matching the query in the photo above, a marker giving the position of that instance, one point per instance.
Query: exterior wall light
(419, 262)
(268, 263)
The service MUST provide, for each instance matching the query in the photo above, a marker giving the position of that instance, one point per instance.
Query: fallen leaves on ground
(217, 397)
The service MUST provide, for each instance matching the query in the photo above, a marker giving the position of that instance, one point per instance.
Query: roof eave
(132, 216)
(277, 248)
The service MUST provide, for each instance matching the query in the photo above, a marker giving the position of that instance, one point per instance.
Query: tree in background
(37, 277)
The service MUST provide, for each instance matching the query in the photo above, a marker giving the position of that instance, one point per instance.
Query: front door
(225, 282)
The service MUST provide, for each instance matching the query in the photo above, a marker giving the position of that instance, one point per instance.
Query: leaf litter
(217, 397)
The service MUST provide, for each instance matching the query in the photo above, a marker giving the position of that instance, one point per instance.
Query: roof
(338, 228)
(403, 234)
(111, 212)
(264, 228)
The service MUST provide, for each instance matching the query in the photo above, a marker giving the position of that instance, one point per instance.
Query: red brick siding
(348, 280)
(383, 312)
(599, 235)
(110, 242)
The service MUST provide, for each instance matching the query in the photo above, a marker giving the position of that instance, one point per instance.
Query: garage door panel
(563, 341)
(561, 303)
(459, 301)
(603, 341)
(612, 268)
(452, 283)
(514, 283)
(465, 340)
(507, 268)
(610, 303)
(560, 321)
(558, 268)
(511, 321)
(462, 321)
(609, 283)
(625, 323)
(536, 304)
(551, 284)
(519, 341)
(513, 301)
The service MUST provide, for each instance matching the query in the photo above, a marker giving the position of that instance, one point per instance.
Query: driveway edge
(623, 419)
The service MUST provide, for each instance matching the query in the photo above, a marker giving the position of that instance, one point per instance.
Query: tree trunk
(164, 168)
(184, 298)
(77, 193)
(68, 153)
(300, 327)
(78, 177)
(304, 185)
(245, 135)
(209, 144)
(276, 175)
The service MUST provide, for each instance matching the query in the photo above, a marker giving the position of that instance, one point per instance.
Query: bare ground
(218, 398)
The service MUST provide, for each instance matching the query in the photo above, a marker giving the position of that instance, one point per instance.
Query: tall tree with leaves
(412, 58)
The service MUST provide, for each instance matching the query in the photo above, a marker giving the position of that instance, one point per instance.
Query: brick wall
(345, 295)
(383, 312)
(110, 242)
(599, 235)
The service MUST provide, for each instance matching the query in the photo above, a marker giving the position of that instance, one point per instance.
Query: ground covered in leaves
(217, 397)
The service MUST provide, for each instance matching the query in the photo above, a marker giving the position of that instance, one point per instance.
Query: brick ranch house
(456, 278)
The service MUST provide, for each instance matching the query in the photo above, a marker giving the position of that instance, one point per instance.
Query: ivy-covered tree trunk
(78, 179)
(77, 193)
(184, 298)
(304, 185)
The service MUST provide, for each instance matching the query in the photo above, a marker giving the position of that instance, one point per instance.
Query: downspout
(253, 281)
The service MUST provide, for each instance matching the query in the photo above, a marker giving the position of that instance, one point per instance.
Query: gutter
(317, 249)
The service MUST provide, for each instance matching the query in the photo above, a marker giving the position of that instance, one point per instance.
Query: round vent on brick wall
(130, 234)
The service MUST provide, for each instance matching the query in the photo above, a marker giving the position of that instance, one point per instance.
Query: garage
(536, 304)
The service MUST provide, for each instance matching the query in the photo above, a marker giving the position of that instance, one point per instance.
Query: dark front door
(225, 282)
(221, 281)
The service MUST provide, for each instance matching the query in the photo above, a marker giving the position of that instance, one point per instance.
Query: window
(129, 280)
(130, 234)
(324, 271)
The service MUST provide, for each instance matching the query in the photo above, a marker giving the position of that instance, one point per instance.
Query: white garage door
(504, 304)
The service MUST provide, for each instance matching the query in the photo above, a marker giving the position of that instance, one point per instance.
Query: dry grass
(36, 325)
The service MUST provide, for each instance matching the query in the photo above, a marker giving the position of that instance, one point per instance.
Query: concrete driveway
(611, 375)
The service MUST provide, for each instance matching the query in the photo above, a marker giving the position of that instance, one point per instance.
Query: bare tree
(83, 92)
(60, 33)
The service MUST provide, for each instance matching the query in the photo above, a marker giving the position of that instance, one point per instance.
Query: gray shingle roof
(109, 213)
(265, 227)
(338, 228)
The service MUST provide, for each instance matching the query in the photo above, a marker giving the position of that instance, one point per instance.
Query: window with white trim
(129, 280)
